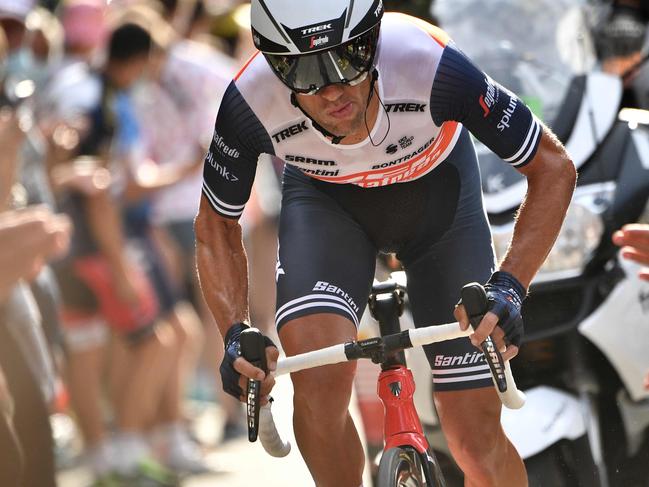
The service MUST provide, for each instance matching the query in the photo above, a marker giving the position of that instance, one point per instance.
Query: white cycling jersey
(429, 89)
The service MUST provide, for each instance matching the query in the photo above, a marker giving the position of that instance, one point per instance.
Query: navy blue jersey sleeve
(239, 139)
(497, 117)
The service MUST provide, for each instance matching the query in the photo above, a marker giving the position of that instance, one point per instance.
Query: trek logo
(395, 388)
(224, 148)
(318, 28)
(330, 288)
(318, 41)
(405, 107)
(221, 170)
(476, 357)
(308, 160)
(291, 131)
(507, 114)
(488, 100)
(391, 149)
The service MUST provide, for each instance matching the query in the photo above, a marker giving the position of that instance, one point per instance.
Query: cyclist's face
(341, 109)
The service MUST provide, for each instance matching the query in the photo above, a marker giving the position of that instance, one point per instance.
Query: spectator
(31, 236)
(103, 285)
(634, 240)
(620, 44)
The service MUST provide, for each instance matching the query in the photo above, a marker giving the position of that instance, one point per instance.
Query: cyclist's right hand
(235, 370)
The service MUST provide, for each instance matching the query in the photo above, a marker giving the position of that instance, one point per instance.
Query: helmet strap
(375, 77)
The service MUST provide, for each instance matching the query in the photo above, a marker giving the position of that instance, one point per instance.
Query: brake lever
(253, 349)
(474, 299)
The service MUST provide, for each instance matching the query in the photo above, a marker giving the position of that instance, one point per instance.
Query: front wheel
(403, 467)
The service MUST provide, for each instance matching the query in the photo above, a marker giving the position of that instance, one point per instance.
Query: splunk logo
(488, 99)
(220, 169)
(476, 357)
(507, 114)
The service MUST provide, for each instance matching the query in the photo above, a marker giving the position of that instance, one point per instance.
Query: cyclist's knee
(471, 422)
(324, 389)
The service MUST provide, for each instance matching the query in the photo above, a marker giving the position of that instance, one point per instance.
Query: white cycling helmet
(310, 44)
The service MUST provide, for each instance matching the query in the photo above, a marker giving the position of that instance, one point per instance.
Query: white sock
(130, 449)
(100, 458)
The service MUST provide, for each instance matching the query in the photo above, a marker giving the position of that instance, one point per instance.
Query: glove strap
(509, 284)
(234, 332)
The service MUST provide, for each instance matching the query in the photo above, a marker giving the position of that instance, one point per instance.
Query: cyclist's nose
(331, 92)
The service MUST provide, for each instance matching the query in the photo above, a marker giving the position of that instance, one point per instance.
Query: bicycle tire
(401, 467)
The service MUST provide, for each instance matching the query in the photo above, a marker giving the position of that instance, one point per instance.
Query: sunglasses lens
(348, 63)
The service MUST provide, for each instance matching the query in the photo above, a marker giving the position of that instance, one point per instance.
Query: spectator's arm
(29, 238)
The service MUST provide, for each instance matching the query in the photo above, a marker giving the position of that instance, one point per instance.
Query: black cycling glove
(505, 296)
(229, 376)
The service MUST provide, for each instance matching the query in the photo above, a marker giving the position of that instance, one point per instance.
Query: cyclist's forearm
(222, 268)
(551, 180)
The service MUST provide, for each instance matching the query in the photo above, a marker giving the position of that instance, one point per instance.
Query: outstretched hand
(634, 240)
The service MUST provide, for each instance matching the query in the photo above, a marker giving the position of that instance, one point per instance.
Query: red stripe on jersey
(245, 66)
(441, 37)
(406, 171)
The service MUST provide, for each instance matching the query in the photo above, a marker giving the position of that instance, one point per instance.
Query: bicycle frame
(396, 388)
(396, 384)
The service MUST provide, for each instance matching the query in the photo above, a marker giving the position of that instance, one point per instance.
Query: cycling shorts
(330, 234)
(90, 297)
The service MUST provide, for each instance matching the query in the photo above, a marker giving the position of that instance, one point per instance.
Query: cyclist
(371, 114)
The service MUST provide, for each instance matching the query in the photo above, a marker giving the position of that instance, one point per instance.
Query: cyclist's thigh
(325, 262)
(463, 254)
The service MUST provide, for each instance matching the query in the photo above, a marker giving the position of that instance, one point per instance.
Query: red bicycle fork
(396, 388)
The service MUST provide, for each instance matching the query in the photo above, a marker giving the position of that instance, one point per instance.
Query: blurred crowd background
(106, 111)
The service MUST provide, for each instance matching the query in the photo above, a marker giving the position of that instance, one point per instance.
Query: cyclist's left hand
(503, 321)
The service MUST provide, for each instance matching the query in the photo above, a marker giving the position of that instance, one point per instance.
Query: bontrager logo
(308, 160)
(405, 107)
(291, 131)
(404, 158)
(455, 360)
(316, 29)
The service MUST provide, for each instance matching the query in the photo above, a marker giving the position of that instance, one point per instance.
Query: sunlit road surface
(240, 463)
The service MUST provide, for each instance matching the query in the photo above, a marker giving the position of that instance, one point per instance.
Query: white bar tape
(437, 333)
(512, 398)
(326, 356)
(269, 436)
